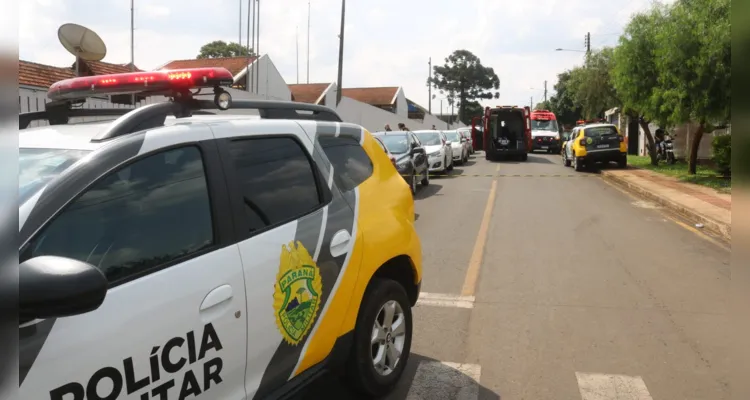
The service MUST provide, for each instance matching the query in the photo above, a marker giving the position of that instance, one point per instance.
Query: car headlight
(434, 154)
(402, 164)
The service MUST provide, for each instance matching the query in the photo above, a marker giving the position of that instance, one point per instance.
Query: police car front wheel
(382, 339)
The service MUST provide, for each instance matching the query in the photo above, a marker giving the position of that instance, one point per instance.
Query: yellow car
(593, 143)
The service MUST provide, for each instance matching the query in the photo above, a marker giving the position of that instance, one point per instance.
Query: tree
(694, 61)
(465, 80)
(220, 48)
(544, 105)
(471, 109)
(635, 73)
(562, 102)
(594, 91)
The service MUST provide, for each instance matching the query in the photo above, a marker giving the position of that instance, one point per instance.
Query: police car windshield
(396, 144)
(37, 167)
(538, 125)
(429, 138)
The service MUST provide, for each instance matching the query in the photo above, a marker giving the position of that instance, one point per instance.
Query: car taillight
(539, 140)
(582, 142)
(622, 139)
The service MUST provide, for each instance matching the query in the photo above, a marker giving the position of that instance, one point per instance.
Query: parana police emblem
(296, 292)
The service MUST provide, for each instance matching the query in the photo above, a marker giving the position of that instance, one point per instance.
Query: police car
(179, 252)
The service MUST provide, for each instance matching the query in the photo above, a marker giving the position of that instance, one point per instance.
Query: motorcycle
(665, 151)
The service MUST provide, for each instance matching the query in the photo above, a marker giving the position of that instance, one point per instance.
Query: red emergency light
(167, 82)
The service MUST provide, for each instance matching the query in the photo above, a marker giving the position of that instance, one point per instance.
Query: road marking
(497, 169)
(472, 273)
(445, 300)
(445, 380)
(611, 387)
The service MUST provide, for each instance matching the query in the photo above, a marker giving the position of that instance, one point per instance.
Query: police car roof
(77, 136)
(596, 125)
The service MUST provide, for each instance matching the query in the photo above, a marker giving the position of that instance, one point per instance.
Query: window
(148, 213)
(351, 165)
(276, 180)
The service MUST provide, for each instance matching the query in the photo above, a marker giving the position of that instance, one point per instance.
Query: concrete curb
(719, 228)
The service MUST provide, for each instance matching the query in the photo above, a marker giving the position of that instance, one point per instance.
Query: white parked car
(439, 152)
(466, 132)
(459, 146)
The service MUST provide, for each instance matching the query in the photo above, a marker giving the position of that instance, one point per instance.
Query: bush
(722, 147)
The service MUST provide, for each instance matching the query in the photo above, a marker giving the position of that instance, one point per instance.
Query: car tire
(426, 179)
(577, 164)
(362, 373)
(449, 167)
(524, 157)
(622, 163)
(566, 162)
(413, 183)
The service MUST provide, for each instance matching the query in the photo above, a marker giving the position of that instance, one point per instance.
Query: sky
(387, 42)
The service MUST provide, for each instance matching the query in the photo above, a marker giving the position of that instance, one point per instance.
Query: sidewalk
(696, 203)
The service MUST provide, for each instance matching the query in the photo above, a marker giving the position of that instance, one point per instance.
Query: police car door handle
(340, 243)
(217, 296)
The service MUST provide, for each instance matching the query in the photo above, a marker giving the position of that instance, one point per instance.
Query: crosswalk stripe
(445, 380)
(445, 300)
(611, 387)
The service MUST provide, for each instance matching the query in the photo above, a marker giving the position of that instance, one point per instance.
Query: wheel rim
(388, 338)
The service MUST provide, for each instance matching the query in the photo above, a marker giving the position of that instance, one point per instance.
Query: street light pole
(429, 86)
(341, 52)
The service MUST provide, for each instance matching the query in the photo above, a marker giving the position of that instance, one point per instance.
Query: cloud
(386, 44)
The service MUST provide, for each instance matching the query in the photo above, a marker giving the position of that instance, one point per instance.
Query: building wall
(402, 107)
(374, 119)
(270, 85)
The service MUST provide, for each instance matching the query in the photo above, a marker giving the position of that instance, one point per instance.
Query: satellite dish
(82, 42)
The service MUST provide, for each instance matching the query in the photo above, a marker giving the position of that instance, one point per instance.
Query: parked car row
(418, 154)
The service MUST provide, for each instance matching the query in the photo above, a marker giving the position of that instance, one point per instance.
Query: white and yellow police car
(177, 252)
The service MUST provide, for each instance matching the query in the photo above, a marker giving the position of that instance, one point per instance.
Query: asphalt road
(570, 289)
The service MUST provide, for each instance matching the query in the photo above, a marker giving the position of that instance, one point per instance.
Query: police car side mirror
(51, 286)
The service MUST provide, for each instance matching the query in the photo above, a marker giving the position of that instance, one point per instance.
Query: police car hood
(544, 133)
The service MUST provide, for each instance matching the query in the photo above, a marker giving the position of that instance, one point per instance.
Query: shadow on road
(469, 163)
(426, 191)
(535, 158)
(425, 377)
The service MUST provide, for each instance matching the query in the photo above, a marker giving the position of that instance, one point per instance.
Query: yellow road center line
(472, 273)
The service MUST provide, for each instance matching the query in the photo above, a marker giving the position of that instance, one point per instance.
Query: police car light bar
(168, 82)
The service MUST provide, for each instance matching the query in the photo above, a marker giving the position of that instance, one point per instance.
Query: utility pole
(341, 53)
(250, 80)
(296, 41)
(545, 92)
(257, 48)
(532, 103)
(429, 86)
(308, 41)
(239, 14)
(588, 43)
(132, 45)
(247, 70)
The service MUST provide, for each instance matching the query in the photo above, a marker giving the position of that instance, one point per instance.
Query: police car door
(172, 325)
(298, 237)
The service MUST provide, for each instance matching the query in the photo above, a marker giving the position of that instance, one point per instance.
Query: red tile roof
(40, 75)
(375, 96)
(105, 68)
(235, 65)
(308, 92)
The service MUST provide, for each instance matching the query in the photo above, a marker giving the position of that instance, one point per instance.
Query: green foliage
(563, 102)
(220, 48)
(693, 57)
(722, 147)
(464, 79)
(544, 105)
(594, 91)
(471, 109)
(635, 73)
